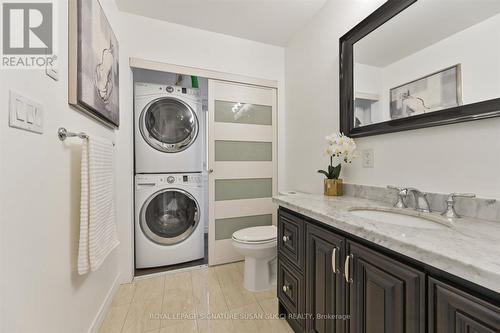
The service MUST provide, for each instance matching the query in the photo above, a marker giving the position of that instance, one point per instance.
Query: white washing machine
(169, 219)
(169, 129)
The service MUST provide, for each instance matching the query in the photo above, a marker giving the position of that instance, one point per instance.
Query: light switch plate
(368, 158)
(25, 113)
(51, 68)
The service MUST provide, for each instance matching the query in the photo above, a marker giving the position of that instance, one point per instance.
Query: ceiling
(422, 24)
(268, 21)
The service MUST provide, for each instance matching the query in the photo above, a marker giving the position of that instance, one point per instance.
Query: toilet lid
(256, 234)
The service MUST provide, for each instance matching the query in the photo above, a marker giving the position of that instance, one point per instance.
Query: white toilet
(258, 246)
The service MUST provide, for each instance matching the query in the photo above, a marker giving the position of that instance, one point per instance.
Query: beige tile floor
(201, 300)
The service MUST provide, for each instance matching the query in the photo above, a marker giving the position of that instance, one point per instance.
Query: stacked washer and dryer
(169, 156)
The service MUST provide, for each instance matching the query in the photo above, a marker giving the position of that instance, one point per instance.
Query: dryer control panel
(168, 180)
(180, 179)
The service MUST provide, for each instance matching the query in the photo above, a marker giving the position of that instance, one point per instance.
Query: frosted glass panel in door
(243, 113)
(224, 228)
(238, 189)
(243, 151)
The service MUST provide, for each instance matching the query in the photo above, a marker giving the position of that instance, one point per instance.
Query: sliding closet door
(242, 163)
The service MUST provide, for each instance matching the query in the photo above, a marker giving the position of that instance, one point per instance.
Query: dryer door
(169, 125)
(169, 216)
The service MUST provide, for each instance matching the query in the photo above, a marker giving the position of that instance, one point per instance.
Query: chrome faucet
(421, 202)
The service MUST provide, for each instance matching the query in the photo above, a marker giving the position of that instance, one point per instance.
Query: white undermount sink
(402, 218)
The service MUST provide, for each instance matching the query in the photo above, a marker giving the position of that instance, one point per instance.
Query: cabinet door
(324, 281)
(454, 311)
(385, 296)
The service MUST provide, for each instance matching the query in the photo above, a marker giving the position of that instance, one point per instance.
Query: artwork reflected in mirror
(420, 63)
(434, 92)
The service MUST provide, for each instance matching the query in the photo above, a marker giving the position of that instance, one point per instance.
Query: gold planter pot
(333, 187)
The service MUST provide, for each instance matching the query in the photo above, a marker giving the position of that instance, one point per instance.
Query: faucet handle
(397, 188)
(452, 196)
(450, 204)
(402, 193)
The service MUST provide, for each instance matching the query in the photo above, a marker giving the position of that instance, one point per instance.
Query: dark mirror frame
(462, 113)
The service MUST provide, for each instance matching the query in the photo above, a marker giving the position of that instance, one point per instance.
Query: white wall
(39, 175)
(41, 291)
(461, 157)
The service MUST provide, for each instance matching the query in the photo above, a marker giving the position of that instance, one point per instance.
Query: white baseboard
(103, 310)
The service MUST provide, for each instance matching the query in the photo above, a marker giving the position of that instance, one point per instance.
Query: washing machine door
(169, 124)
(169, 216)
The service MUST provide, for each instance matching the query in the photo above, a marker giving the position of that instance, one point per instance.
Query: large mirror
(414, 64)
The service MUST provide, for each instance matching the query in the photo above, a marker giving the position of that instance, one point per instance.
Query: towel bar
(63, 133)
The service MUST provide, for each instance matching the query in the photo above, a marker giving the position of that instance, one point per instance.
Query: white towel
(98, 235)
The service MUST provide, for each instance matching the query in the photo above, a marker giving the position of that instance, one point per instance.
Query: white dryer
(169, 129)
(169, 219)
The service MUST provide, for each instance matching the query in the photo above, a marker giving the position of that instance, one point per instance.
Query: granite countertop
(468, 248)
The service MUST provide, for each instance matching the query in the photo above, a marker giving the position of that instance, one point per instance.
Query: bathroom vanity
(341, 272)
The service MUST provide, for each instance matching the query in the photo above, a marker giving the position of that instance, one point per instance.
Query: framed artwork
(437, 91)
(93, 62)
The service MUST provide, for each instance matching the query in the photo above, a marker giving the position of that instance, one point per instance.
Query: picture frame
(439, 90)
(93, 59)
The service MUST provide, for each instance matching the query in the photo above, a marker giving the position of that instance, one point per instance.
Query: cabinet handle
(285, 288)
(347, 268)
(334, 260)
(286, 239)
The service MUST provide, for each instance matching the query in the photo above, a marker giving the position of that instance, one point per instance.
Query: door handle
(347, 265)
(286, 288)
(334, 260)
(210, 170)
(286, 239)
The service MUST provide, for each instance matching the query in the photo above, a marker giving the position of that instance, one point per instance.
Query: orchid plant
(340, 149)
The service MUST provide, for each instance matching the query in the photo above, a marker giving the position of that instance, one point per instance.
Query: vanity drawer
(291, 290)
(291, 238)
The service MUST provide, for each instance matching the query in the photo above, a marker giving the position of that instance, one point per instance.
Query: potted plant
(341, 149)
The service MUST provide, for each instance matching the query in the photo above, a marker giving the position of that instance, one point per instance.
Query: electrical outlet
(368, 158)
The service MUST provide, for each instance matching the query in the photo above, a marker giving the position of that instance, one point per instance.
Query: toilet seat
(256, 235)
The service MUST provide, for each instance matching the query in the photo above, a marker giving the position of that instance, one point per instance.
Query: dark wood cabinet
(452, 310)
(291, 292)
(325, 275)
(291, 238)
(384, 295)
(291, 261)
(325, 284)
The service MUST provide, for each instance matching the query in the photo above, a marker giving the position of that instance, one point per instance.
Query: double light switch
(25, 113)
